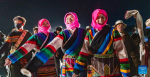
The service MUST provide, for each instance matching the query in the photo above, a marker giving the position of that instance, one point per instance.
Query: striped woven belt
(104, 55)
(69, 56)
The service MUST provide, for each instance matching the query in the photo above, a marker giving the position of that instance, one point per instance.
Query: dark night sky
(54, 11)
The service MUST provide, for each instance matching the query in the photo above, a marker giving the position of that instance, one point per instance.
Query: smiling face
(120, 27)
(45, 24)
(100, 19)
(70, 19)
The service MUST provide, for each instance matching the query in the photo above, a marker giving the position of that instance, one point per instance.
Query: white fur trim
(26, 72)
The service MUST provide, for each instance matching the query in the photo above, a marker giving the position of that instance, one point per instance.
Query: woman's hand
(123, 76)
(57, 54)
(75, 75)
(7, 62)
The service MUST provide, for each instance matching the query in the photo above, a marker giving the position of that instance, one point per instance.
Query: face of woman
(70, 19)
(45, 24)
(100, 19)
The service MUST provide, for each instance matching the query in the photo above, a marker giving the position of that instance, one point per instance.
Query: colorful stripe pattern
(12, 39)
(69, 64)
(51, 48)
(125, 67)
(76, 48)
(67, 67)
(106, 43)
(48, 69)
(80, 61)
(34, 41)
(122, 54)
(111, 44)
(90, 35)
(75, 43)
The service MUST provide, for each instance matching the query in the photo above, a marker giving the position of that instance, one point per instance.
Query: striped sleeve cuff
(17, 54)
(81, 60)
(12, 58)
(46, 53)
(125, 67)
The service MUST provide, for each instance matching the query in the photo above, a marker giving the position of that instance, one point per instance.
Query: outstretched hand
(75, 75)
(7, 62)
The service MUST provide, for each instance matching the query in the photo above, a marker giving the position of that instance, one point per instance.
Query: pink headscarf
(42, 28)
(94, 17)
(74, 24)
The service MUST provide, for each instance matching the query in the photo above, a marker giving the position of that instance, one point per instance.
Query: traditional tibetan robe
(109, 54)
(11, 39)
(47, 69)
(74, 48)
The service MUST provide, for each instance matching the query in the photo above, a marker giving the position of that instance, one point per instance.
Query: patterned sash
(23, 61)
(73, 45)
(102, 41)
(13, 48)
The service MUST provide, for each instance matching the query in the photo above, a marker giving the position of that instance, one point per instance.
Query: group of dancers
(98, 52)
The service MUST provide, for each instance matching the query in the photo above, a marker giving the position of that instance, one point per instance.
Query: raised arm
(24, 49)
(42, 57)
(50, 49)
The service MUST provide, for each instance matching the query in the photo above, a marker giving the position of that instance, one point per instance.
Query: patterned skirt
(106, 65)
(68, 66)
(48, 69)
